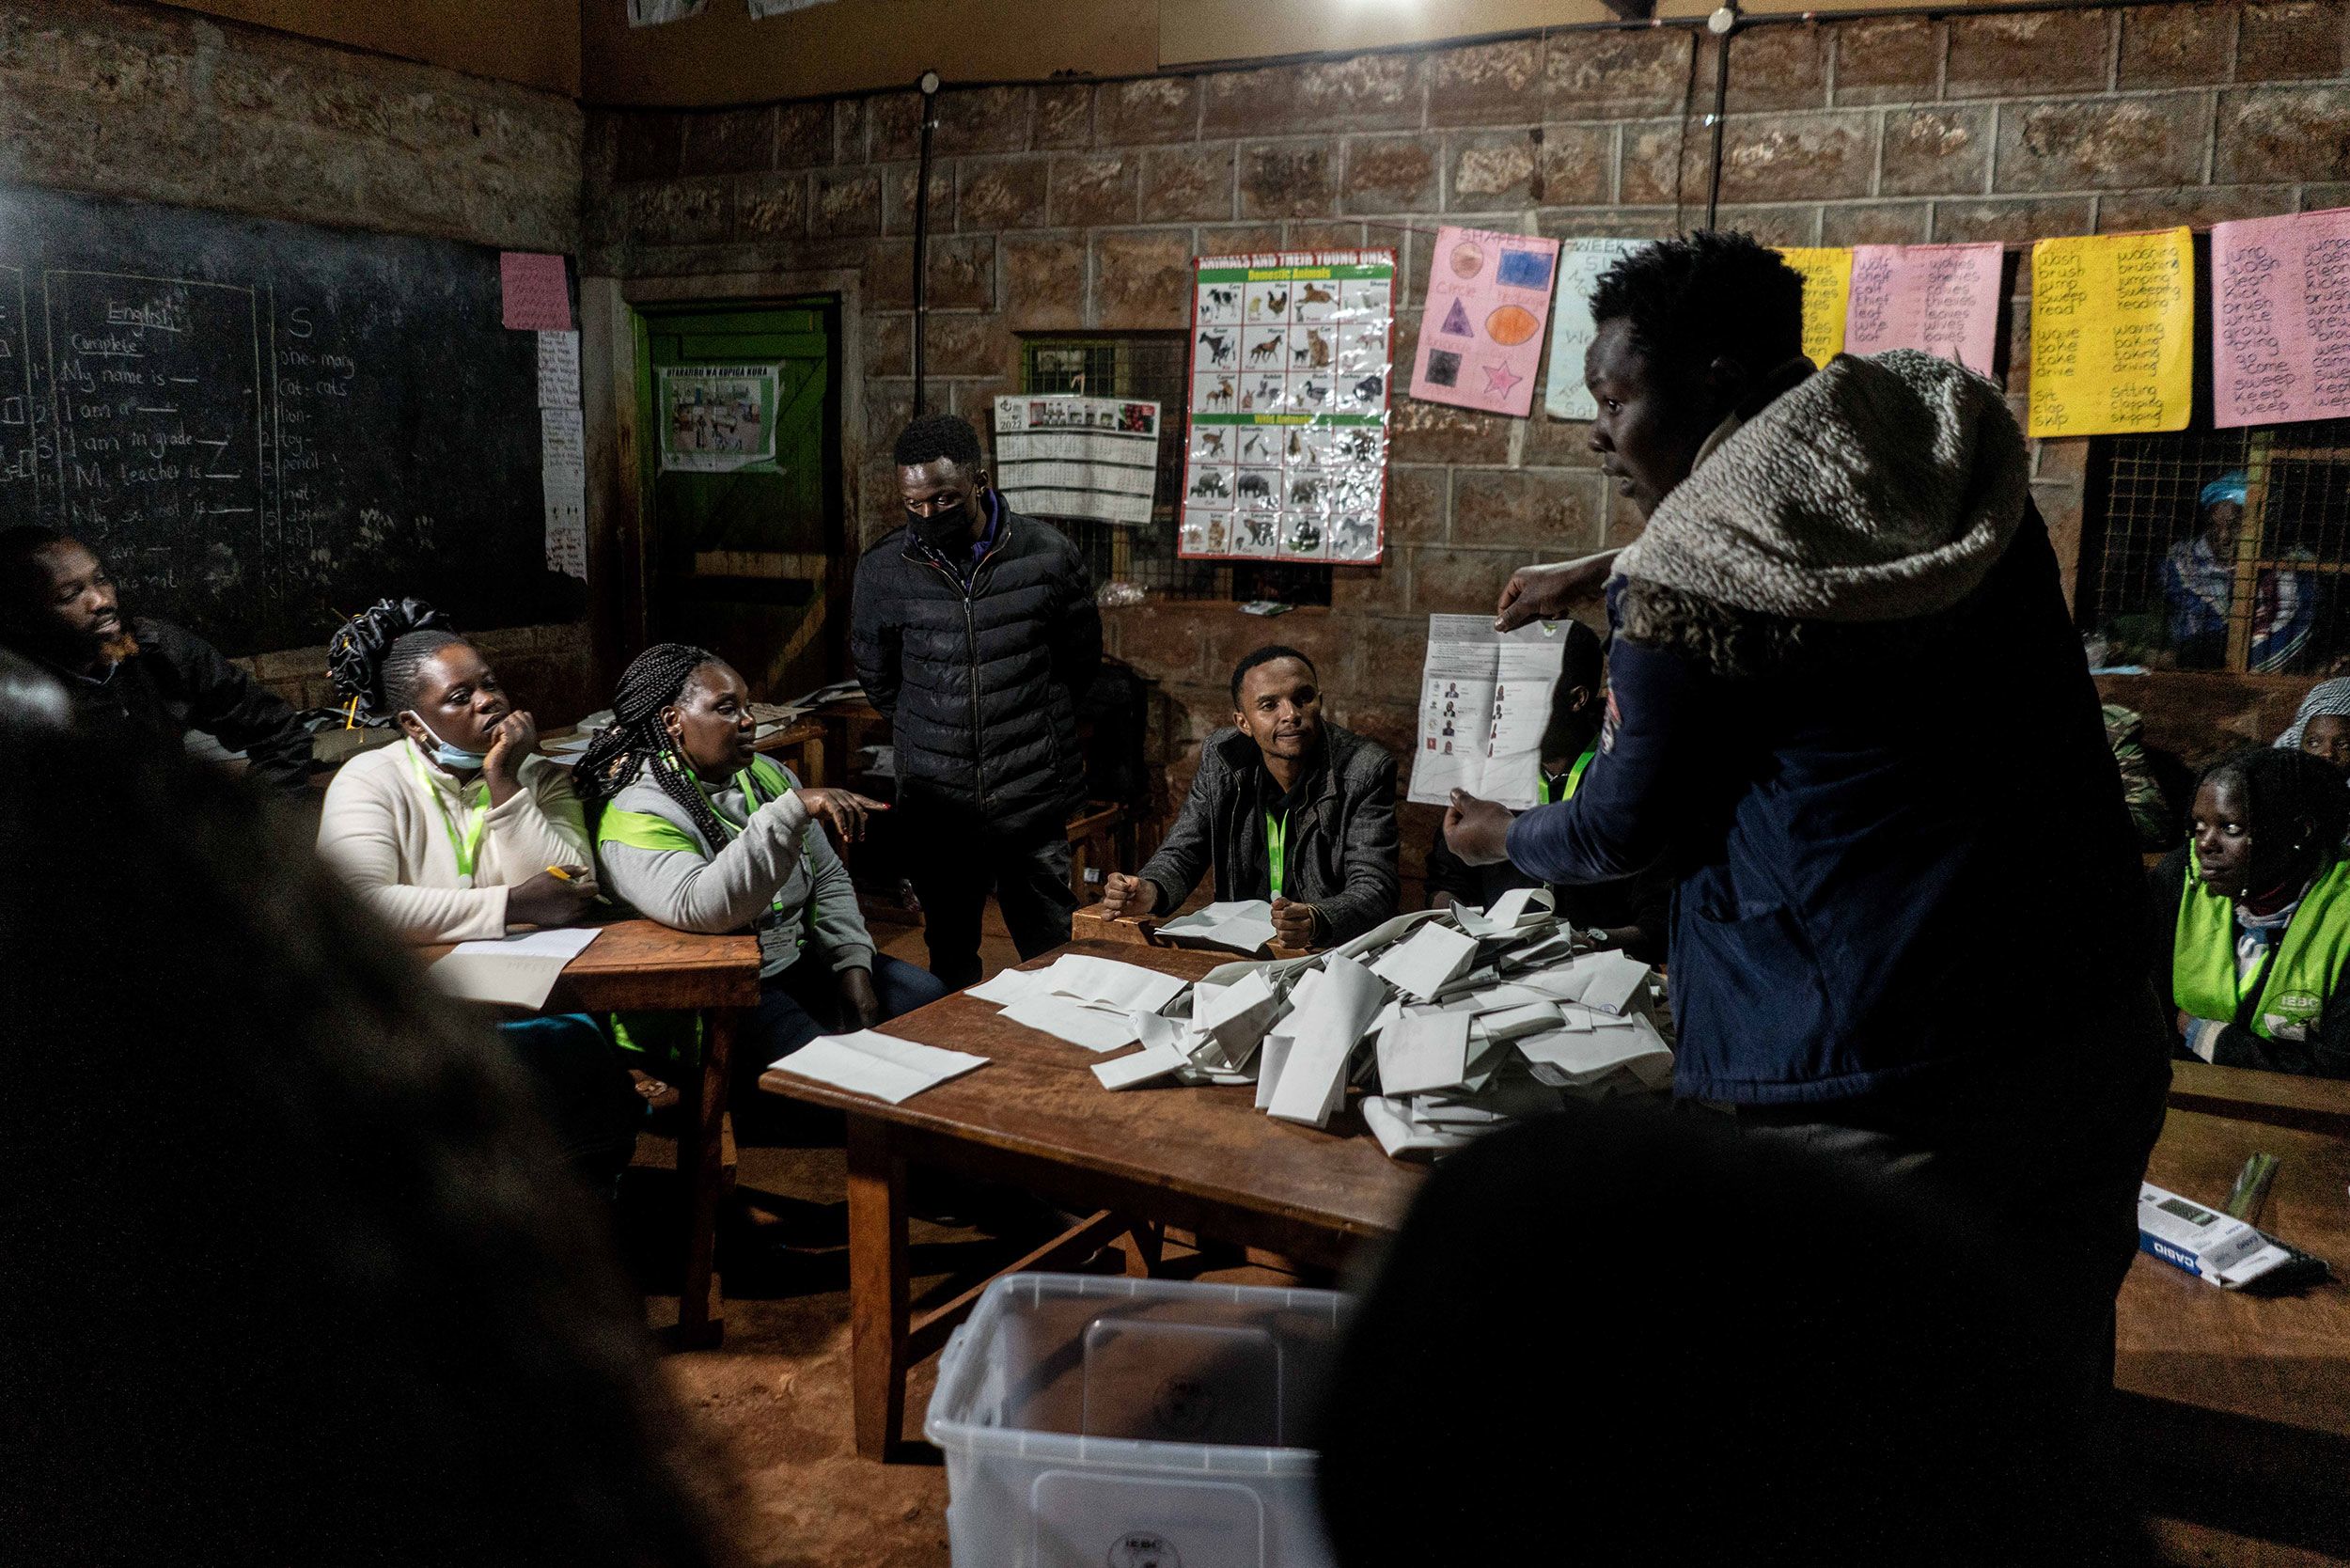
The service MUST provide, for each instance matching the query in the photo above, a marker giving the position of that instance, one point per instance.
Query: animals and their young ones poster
(1290, 360)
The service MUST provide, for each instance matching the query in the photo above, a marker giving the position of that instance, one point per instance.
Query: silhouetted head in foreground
(296, 1278)
(1619, 1336)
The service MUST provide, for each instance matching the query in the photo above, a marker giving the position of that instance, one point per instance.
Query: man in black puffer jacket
(974, 631)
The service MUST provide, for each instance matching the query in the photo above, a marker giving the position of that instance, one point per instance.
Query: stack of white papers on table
(880, 1065)
(512, 971)
(1243, 925)
(1451, 1021)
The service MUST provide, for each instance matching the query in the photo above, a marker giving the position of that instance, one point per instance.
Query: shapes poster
(2112, 334)
(2280, 319)
(1580, 262)
(1827, 271)
(1481, 338)
(716, 419)
(1943, 299)
(1078, 457)
(1290, 361)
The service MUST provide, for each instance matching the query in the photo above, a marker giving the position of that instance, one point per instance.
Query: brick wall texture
(1069, 205)
(158, 105)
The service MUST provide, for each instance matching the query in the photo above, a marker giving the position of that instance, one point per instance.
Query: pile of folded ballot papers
(1453, 1022)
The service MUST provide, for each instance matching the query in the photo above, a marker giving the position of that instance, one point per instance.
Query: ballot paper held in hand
(1094, 1028)
(1244, 925)
(880, 1065)
(1420, 965)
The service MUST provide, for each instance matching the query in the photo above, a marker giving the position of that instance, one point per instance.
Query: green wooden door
(744, 561)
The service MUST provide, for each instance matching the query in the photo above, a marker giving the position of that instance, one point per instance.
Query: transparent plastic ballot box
(1107, 1422)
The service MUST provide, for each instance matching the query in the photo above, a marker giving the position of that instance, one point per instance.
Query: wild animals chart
(1480, 339)
(1290, 361)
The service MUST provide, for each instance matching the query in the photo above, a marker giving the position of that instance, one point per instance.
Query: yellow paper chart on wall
(1826, 291)
(2112, 334)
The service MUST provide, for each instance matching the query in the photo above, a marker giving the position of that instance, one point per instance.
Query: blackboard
(262, 426)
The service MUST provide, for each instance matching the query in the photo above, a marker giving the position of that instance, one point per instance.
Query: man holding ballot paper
(1876, 945)
(1285, 807)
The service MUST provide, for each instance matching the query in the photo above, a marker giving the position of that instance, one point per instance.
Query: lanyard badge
(465, 845)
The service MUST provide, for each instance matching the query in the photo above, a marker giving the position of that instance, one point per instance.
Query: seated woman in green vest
(1630, 912)
(462, 830)
(2253, 917)
(703, 833)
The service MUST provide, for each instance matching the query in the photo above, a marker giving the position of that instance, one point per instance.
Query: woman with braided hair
(450, 835)
(705, 835)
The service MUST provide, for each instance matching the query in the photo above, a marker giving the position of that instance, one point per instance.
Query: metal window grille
(1153, 365)
(2172, 589)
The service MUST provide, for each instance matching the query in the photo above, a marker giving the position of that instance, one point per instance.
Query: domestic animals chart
(1291, 359)
(1480, 339)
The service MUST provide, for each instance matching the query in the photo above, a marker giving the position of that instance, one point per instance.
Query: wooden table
(2237, 1407)
(1035, 1117)
(641, 966)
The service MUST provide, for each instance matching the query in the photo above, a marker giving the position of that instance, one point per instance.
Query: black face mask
(942, 530)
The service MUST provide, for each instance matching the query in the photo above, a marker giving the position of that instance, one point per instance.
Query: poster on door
(716, 418)
(1286, 456)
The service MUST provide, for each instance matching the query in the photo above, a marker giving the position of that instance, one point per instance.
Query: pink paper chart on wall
(1488, 299)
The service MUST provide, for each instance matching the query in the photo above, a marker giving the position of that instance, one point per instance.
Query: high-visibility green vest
(1575, 778)
(678, 1036)
(2309, 962)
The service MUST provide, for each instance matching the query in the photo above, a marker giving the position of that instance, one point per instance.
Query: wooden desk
(639, 966)
(2244, 1393)
(2283, 1099)
(1205, 1159)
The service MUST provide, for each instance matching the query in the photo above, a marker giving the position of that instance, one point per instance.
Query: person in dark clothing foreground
(975, 634)
(2251, 923)
(1631, 914)
(307, 1279)
(1842, 588)
(1799, 1369)
(58, 606)
(1285, 806)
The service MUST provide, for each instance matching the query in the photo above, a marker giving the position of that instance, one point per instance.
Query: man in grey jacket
(1285, 807)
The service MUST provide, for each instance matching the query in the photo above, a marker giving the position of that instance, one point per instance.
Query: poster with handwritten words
(1943, 299)
(2112, 334)
(2280, 319)
(1481, 335)
(1827, 286)
(1580, 262)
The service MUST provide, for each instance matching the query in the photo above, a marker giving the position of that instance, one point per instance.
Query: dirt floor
(775, 1397)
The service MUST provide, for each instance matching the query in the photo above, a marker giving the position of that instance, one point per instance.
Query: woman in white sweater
(456, 832)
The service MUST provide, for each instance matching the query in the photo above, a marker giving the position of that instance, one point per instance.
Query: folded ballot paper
(1243, 925)
(1449, 1022)
(511, 971)
(880, 1065)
